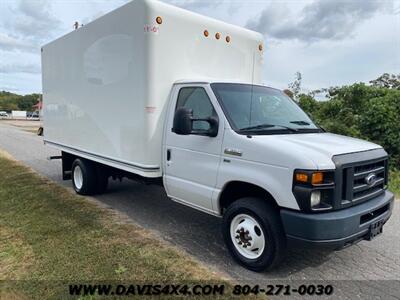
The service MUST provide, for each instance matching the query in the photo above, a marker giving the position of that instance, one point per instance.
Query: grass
(48, 234)
(394, 182)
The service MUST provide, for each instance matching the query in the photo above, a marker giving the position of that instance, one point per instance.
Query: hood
(308, 150)
(330, 144)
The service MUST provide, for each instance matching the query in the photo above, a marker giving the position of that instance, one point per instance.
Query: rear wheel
(84, 177)
(254, 234)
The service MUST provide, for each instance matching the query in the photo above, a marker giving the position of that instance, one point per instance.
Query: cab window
(196, 98)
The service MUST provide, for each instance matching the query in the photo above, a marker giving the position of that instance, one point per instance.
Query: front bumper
(337, 229)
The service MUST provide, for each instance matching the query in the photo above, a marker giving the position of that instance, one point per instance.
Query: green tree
(295, 86)
(387, 80)
(11, 101)
(27, 101)
(370, 112)
(380, 123)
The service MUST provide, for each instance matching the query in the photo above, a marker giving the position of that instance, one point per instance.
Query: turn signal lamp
(307, 177)
(217, 35)
(317, 178)
(206, 33)
(301, 177)
(260, 47)
(228, 39)
(159, 20)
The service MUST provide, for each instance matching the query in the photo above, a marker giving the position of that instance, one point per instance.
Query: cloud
(35, 20)
(31, 24)
(199, 5)
(19, 68)
(319, 20)
(9, 43)
(195, 4)
(9, 88)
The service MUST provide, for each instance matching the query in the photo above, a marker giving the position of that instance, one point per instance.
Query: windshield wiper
(262, 126)
(300, 122)
(307, 124)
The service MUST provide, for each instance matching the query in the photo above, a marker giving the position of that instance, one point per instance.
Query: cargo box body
(106, 85)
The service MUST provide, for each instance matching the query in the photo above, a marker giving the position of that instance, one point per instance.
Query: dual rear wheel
(88, 178)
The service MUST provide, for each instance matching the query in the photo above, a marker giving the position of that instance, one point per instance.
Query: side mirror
(183, 123)
(213, 121)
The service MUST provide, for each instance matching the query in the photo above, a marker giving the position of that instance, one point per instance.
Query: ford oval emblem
(370, 180)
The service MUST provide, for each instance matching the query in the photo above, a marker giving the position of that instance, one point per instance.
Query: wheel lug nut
(245, 246)
(238, 231)
(246, 232)
(238, 236)
(240, 242)
(249, 238)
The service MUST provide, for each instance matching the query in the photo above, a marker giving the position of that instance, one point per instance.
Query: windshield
(261, 109)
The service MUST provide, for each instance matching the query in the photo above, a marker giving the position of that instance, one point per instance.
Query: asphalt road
(369, 269)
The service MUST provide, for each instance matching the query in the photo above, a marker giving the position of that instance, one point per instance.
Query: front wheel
(254, 234)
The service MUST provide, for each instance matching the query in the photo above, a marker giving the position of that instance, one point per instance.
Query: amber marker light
(260, 47)
(217, 35)
(301, 177)
(159, 20)
(206, 33)
(228, 39)
(317, 178)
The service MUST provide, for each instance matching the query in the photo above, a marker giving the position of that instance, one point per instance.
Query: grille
(364, 181)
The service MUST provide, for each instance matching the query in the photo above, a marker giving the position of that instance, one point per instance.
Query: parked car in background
(3, 114)
(33, 115)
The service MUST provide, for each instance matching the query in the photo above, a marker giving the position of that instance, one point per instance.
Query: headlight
(313, 190)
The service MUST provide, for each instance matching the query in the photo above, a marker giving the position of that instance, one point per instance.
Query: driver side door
(192, 161)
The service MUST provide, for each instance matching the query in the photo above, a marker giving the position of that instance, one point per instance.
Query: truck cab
(249, 154)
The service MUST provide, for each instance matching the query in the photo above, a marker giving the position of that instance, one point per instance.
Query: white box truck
(157, 93)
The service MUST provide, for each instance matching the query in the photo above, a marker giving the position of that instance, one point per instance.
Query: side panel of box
(95, 86)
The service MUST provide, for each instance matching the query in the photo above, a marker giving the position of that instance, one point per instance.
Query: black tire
(88, 186)
(267, 215)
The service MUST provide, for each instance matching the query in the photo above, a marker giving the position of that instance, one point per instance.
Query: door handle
(168, 154)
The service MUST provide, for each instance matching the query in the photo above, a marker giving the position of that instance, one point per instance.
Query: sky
(330, 42)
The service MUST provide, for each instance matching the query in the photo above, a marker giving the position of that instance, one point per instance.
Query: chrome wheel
(78, 177)
(247, 236)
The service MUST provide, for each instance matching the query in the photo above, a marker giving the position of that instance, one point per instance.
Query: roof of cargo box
(203, 46)
(180, 12)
